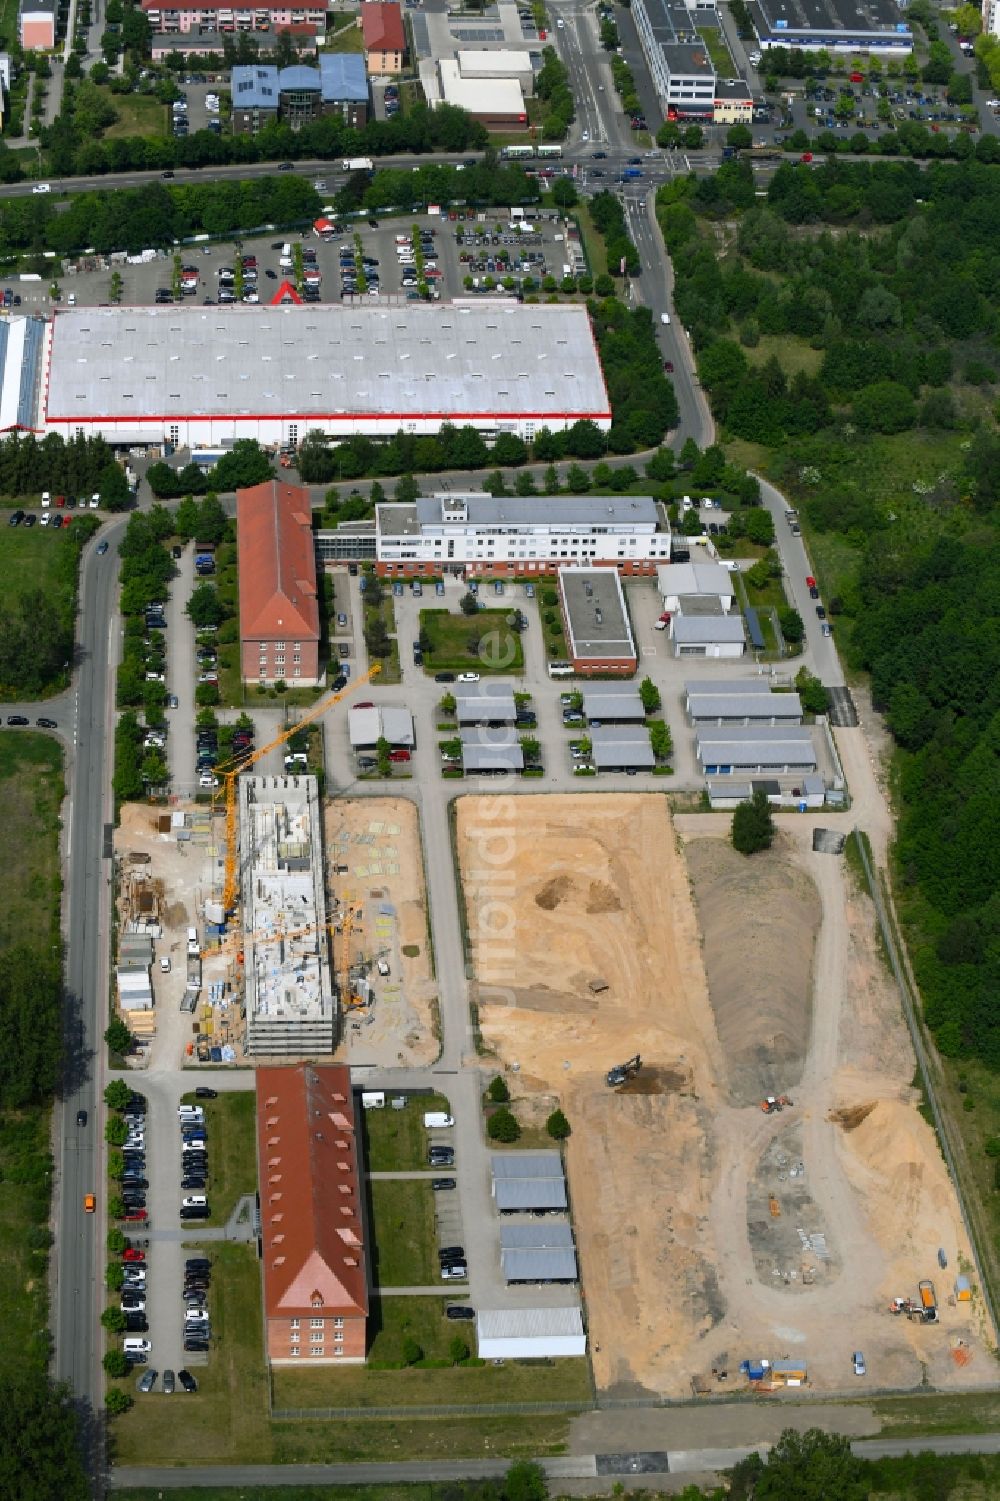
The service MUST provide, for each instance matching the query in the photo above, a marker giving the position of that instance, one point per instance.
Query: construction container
(963, 1290)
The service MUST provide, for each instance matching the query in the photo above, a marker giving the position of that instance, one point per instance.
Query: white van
(383, 967)
(194, 1201)
(137, 1347)
(285, 259)
(665, 318)
(437, 1119)
(188, 1113)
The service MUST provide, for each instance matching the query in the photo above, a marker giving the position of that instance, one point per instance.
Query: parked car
(459, 1311)
(147, 1380)
(187, 1381)
(440, 1185)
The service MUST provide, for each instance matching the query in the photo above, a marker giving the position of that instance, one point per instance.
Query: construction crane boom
(231, 773)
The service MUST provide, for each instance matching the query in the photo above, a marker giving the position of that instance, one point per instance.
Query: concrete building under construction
(291, 1010)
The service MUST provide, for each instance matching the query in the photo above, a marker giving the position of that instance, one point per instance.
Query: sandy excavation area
(729, 989)
(374, 865)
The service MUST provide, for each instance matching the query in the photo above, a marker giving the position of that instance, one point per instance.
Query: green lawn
(718, 51)
(792, 354)
(8, 22)
(484, 641)
(396, 1139)
(138, 115)
(347, 38)
(31, 789)
(38, 558)
(230, 1121)
(401, 1217)
(389, 665)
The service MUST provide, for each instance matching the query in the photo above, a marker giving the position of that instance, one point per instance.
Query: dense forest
(848, 327)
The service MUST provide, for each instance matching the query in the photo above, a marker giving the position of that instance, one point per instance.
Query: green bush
(502, 1126)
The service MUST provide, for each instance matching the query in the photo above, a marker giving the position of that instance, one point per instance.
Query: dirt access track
(685, 1269)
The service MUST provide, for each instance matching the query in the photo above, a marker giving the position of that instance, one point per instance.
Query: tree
(739, 137)
(458, 1350)
(525, 1481)
(383, 756)
(660, 740)
(114, 1276)
(557, 1126)
(564, 194)
(113, 488)
(531, 748)
(412, 1351)
(118, 1038)
(116, 1094)
(498, 1091)
(115, 1130)
(115, 1363)
(116, 1241)
(205, 607)
(650, 695)
(811, 1466)
(753, 824)
(811, 692)
(792, 625)
(469, 604)
(116, 1401)
(502, 1126)
(40, 1448)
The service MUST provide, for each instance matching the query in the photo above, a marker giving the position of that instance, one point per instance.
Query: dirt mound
(759, 922)
(850, 1117)
(675, 1080)
(602, 898)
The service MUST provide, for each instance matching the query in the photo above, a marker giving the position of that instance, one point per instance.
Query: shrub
(557, 1126)
(502, 1126)
(498, 1091)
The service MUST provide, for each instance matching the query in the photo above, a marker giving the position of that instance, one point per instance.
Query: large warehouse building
(203, 376)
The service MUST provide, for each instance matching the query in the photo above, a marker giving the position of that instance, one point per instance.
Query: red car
(857, 78)
(806, 156)
(60, 500)
(668, 366)
(810, 581)
(136, 1217)
(399, 755)
(131, 1255)
(365, 705)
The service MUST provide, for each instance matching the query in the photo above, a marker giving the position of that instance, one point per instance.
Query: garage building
(542, 1251)
(755, 749)
(491, 751)
(530, 1333)
(708, 636)
(366, 727)
(528, 1181)
(734, 706)
(484, 703)
(679, 581)
(196, 376)
(614, 703)
(621, 747)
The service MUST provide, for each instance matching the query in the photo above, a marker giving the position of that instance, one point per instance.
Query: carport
(530, 1333)
(621, 747)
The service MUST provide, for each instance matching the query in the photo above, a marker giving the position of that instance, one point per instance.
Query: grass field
(347, 38)
(396, 1139)
(138, 115)
(483, 642)
(38, 558)
(31, 789)
(792, 354)
(230, 1122)
(402, 1224)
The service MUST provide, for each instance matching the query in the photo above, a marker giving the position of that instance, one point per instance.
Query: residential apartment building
(384, 37)
(315, 1285)
(37, 25)
(226, 17)
(476, 533)
(279, 608)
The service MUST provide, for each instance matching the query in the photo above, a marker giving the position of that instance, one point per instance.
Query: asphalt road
(78, 1259)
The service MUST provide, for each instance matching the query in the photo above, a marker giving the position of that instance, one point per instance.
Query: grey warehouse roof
(547, 1232)
(539, 1264)
(526, 1165)
(696, 630)
(621, 745)
(744, 706)
(524, 1323)
(727, 685)
(482, 751)
(368, 726)
(454, 361)
(528, 1180)
(595, 610)
(613, 701)
(827, 17)
(483, 700)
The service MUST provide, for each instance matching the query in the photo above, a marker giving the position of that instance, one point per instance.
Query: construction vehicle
(773, 1104)
(349, 999)
(910, 1306)
(928, 1300)
(774, 1207)
(228, 775)
(623, 1071)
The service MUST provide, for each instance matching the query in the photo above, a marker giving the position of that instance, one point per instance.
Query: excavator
(623, 1071)
(773, 1104)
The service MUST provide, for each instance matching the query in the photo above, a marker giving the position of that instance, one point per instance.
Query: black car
(339, 682)
(441, 1156)
(820, 613)
(451, 1253)
(444, 677)
(16, 719)
(286, 166)
(16, 517)
(81, 1117)
(187, 1381)
(198, 1263)
(813, 591)
(136, 1323)
(194, 1183)
(193, 1211)
(440, 1184)
(191, 1345)
(459, 1311)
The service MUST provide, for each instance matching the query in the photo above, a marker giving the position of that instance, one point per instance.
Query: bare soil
(378, 841)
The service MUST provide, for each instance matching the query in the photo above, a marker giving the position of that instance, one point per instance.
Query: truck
(928, 1300)
(359, 164)
(437, 1120)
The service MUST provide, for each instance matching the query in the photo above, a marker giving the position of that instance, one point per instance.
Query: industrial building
(279, 605)
(290, 1006)
(528, 1181)
(681, 583)
(539, 1251)
(229, 18)
(724, 795)
(486, 702)
(740, 702)
(733, 102)
(678, 60)
(491, 92)
(530, 1333)
(598, 631)
(367, 726)
(200, 377)
(613, 703)
(755, 749)
(384, 34)
(486, 752)
(708, 636)
(836, 25)
(475, 533)
(315, 1284)
(263, 93)
(623, 747)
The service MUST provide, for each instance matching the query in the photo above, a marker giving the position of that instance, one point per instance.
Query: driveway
(181, 679)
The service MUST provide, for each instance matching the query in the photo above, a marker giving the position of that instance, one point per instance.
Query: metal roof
(727, 685)
(529, 1193)
(613, 701)
(456, 361)
(368, 726)
(694, 578)
(778, 745)
(621, 745)
(876, 18)
(491, 755)
(526, 1165)
(539, 1264)
(594, 605)
(521, 1323)
(254, 86)
(697, 630)
(479, 95)
(557, 512)
(483, 700)
(744, 705)
(343, 77)
(546, 1233)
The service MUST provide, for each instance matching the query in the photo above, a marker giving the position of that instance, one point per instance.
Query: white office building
(682, 71)
(512, 535)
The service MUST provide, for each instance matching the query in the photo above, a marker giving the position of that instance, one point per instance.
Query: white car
(42, 187)
(165, 964)
(196, 1316)
(467, 677)
(207, 780)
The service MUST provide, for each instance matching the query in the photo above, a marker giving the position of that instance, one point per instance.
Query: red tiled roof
(277, 563)
(382, 27)
(310, 1192)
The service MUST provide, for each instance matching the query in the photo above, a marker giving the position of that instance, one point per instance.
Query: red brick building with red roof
(315, 1282)
(279, 607)
(384, 37)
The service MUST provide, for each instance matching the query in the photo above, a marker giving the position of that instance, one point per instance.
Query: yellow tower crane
(230, 774)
